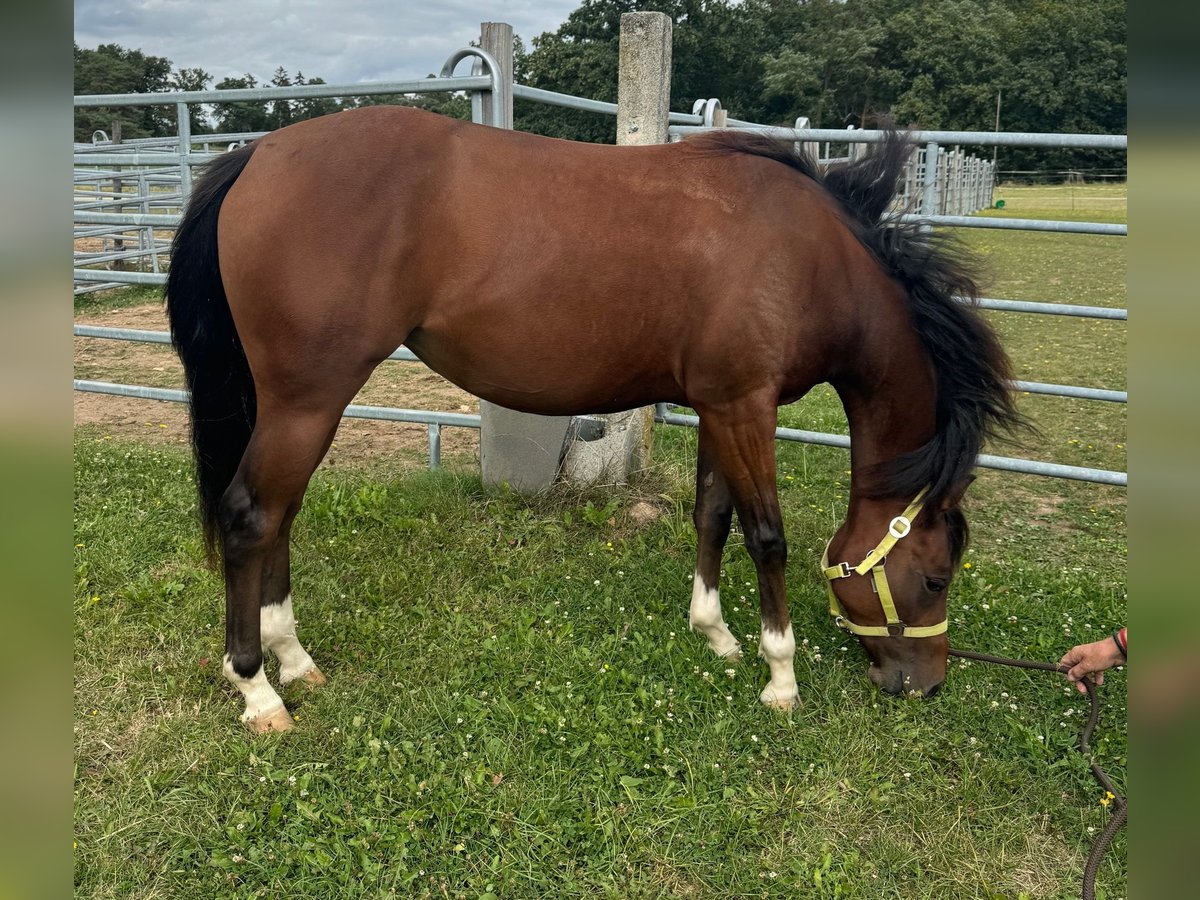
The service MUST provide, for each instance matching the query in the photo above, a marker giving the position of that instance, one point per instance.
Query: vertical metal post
(184, 126)
(929, 189)
(435, 445)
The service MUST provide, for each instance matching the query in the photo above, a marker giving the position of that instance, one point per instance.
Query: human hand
(1091, 659)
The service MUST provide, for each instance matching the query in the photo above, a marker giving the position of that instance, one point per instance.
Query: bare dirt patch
(408, 385)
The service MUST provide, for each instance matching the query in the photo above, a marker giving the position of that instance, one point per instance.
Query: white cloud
(361, 40)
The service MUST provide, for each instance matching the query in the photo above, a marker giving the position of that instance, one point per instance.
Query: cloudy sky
(341, 41)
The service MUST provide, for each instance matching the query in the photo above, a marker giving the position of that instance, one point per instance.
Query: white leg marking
(278, 625)
(704, 616)
(778, 648)
(261, 700)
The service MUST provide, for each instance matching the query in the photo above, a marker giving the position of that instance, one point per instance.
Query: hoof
(780, 700)
(312, 679)
(278, 720)
(729, 654)
(720, 641)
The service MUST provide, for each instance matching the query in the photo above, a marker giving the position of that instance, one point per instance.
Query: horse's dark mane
(974, 398)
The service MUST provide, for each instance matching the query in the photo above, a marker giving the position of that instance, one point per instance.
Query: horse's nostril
(932, 692)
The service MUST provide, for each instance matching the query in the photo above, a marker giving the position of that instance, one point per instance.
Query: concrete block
(520, 450)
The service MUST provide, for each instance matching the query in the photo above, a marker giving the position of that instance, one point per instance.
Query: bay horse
(723, 272)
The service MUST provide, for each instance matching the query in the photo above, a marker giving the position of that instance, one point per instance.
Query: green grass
(118, 298)
(516, 709)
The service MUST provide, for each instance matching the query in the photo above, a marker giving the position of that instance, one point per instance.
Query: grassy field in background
(516, 709)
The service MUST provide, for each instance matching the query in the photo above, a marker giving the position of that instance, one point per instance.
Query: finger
(1079, 687)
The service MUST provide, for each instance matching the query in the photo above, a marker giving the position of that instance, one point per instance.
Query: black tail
(202, 330)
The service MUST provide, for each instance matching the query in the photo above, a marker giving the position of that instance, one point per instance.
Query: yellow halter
(874, 562)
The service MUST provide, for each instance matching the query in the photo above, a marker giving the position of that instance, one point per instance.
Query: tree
(279, 112)
(243, 115)
(718, 50)
(111, 69)
(193, 80)
(829, 69)
(312, 107)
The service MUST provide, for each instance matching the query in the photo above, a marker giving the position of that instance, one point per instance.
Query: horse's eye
(936, 585)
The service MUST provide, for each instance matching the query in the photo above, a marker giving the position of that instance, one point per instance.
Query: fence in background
(128, 198)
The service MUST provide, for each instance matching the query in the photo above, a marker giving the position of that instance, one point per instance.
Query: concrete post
(643, 106)
(496, 38)
(644, 78)
(516, 449)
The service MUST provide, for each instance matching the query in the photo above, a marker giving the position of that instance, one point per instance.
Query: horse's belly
(534, 374)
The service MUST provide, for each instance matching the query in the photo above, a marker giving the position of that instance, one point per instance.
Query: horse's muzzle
(897, 684)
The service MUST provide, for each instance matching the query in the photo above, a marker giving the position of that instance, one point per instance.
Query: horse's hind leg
(713, 513)
(277, 618)
(743, 437)
(256, 513)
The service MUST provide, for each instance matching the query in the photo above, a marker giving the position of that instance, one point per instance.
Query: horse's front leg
(743, 436)
(713, 514)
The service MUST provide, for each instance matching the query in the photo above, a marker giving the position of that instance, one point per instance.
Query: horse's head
(890, 589)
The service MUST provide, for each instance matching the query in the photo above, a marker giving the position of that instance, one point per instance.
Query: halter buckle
(896, 629)
(846, 570)
(899, 527)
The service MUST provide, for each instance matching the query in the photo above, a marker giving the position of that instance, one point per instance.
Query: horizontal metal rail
(1053, 309)
(567, 101)
(400, 354)
(979, 138)
(123, 334)
(1018, 224)
(354, 411)
(150, 253)
(119, 277)
(1071, 390)
(435, 421)
(987, 461)
(84, 217)
(293, 92)
(143, 158)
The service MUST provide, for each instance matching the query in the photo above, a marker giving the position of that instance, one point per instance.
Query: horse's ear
(954, 496)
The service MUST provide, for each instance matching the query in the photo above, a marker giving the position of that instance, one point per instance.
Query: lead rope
(1121, 810)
